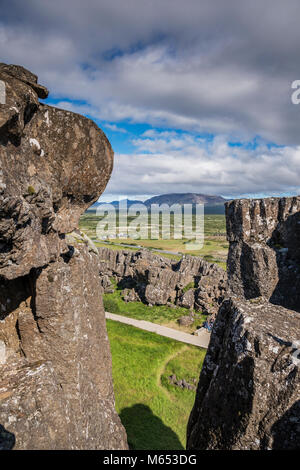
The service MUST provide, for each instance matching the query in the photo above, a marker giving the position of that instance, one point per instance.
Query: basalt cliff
(56, 388)
(191, 282)
(248, 395)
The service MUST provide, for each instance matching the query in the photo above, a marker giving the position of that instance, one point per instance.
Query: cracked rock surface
(53, 165)
(156, 280)
(248, 395)
(264, 251)
(56, 387)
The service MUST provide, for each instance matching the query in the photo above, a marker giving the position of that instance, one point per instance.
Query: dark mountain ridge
(185, 198)
(213, 204)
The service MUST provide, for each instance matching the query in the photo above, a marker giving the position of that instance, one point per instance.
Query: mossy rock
(31, 190)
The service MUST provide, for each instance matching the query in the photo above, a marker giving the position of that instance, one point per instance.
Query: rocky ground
(192, 282)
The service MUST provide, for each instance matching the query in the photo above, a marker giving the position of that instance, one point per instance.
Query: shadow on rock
(287, 236)
(286, 431)
(147, 431)
(7, 439)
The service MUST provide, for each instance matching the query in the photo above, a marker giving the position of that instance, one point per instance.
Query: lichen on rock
(55, 367)
(249, 387)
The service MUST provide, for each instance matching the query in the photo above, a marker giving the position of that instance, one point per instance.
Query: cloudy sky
(194, 96)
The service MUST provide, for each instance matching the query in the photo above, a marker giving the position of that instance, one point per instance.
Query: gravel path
(201, 340)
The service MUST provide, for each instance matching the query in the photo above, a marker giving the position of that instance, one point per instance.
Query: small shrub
(209, 258)
(189, 286)
(31, 190)
(111, 305)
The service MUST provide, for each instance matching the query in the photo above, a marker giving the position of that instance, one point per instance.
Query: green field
(154, 412)
(215, 247)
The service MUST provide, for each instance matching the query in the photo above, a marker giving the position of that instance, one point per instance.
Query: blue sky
(193, 99)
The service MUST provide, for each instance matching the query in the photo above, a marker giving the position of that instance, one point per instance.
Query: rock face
(264, 252)
(192, 282)
(54, 165)
(249, 387)
(250, 384)
(55, 365)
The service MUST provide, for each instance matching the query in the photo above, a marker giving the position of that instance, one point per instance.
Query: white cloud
(115, 128)
(218, 67)
(190, 164)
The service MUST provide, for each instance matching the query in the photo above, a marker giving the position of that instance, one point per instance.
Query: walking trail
(201, 340)
(162, 369)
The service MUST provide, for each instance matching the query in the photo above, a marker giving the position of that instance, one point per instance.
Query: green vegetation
(161, 314)
(189, 286)
(214, 250)
(154, 413)
(31, 190)
(214, 225)
(112, 246)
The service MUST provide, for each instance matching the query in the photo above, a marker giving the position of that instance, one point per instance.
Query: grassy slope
(162, 314)
(154, 413)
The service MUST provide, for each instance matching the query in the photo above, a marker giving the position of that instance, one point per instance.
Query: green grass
(113, 246)
(214, 225)
(161, 314)
(154, 413)
(215, 247)
(189, 286)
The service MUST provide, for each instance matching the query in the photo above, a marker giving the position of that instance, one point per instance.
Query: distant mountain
(185, 198)
(130, 202)
(212, 204)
